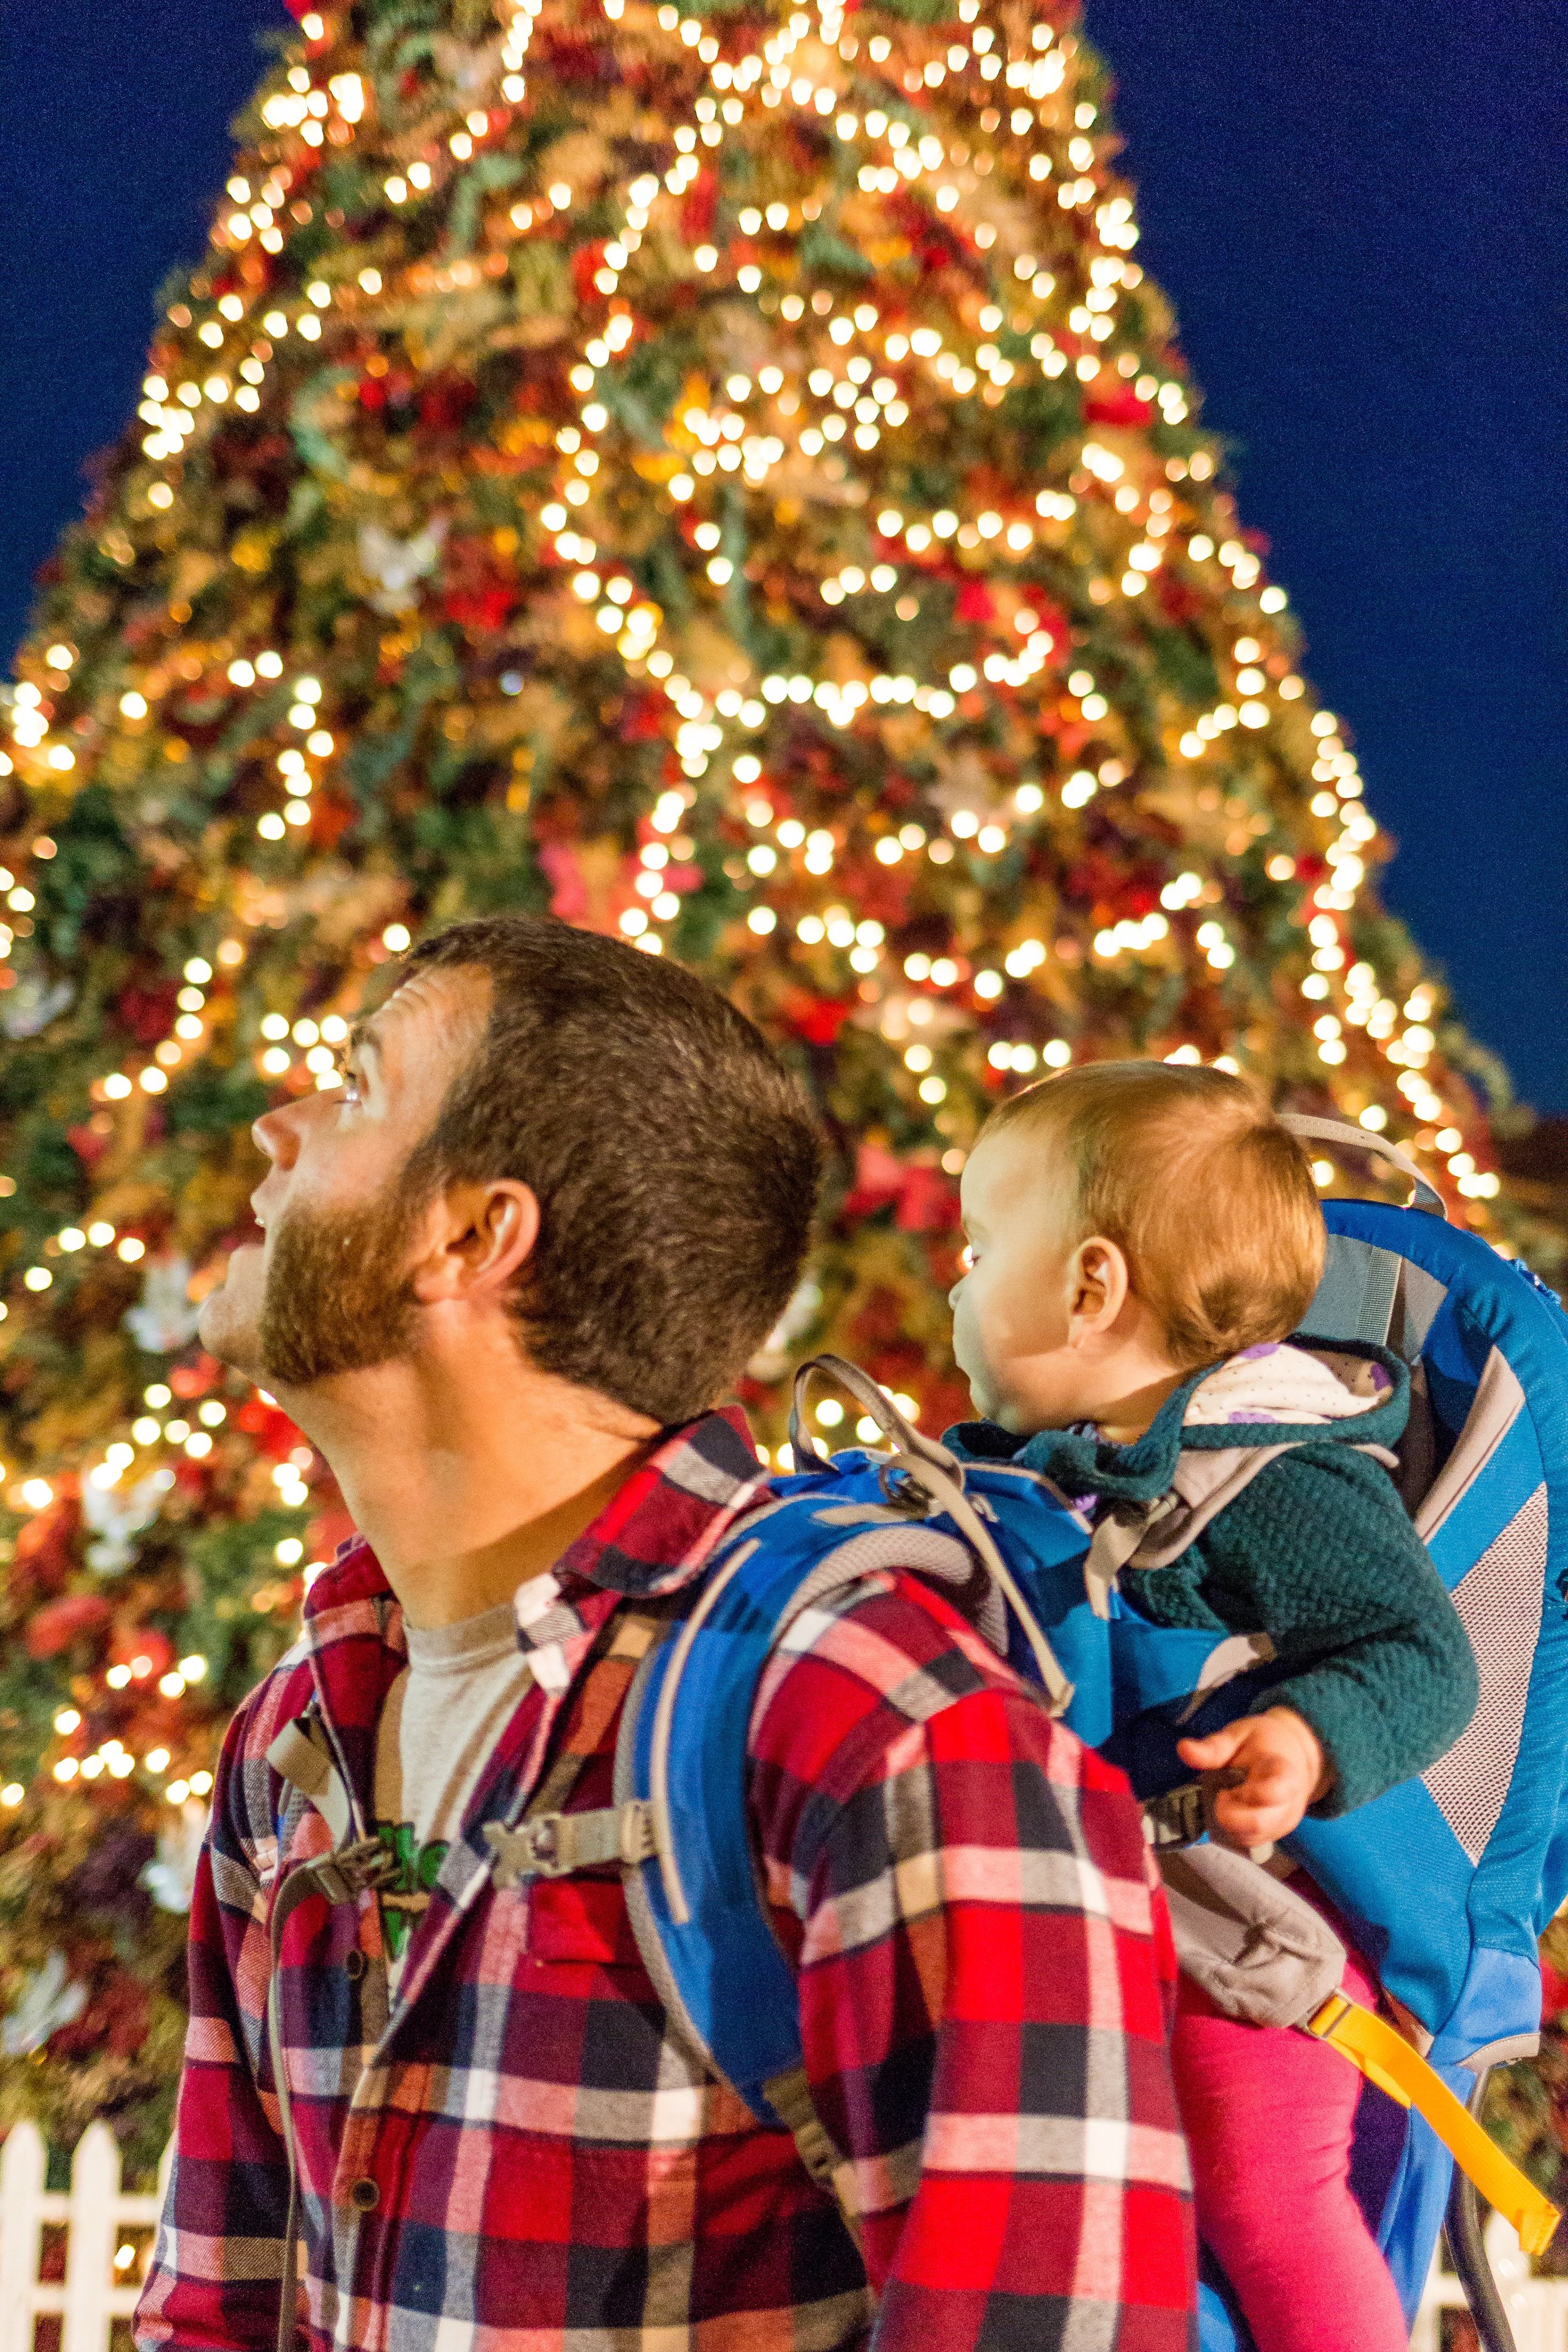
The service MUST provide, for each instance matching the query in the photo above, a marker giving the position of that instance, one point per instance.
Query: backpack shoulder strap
(1206, 1482)
(700, 1921)
(544, 1840)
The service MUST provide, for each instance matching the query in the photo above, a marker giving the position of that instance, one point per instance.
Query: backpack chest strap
(553, 1846)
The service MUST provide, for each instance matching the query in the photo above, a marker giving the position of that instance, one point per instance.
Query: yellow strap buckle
(1385, 2058)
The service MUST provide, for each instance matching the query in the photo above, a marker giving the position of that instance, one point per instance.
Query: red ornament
(587, 262)
(487, 607)
(145, 1651)
(698, 208)
(1178, 601)
(816, 1020)
(115, 2019)
(148, 1013)
(946, 1400)
(642, 716)
(1553, 1992)
(921, 1199)
(445, 406)
(274, 1432)
(1120, 405)
(46, 1551)
(76, 1617)
(562, 869)
(89, 1148)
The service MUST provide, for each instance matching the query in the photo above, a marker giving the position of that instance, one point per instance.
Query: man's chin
(228, 1326)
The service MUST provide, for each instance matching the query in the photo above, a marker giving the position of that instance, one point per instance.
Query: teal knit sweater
(1318, 1553)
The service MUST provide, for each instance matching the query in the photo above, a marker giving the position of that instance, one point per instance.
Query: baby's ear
(1099, 1282)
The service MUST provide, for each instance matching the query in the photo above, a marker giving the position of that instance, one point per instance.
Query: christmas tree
(720, 474)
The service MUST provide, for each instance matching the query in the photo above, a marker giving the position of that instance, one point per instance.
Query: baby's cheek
(969, 1346)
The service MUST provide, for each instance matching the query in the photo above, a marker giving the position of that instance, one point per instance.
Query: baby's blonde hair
(1188, 1172)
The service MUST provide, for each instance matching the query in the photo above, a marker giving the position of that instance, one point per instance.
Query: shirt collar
(654, 1535)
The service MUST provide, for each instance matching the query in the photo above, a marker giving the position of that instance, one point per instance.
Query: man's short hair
(1189, 1172)
(674, 1161)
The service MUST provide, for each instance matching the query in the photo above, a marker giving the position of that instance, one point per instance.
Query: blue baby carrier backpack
(1447, 1880)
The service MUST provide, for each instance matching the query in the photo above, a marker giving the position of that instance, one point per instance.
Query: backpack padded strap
(943, 1490)
(340, 1875)
(550, 1843)
(1261, 1954)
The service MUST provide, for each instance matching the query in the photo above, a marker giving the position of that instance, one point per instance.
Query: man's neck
(468, 1471)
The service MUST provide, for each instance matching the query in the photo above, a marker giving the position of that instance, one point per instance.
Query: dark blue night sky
(1359, 211)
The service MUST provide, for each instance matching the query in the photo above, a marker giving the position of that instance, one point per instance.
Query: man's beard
(335, 1300)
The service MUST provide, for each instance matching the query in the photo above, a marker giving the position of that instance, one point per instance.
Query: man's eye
(966, 1257)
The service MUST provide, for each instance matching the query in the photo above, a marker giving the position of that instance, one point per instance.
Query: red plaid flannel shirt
(521, 2155)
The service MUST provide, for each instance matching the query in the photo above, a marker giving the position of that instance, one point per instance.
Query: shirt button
(353, 1965)
(364, 2196)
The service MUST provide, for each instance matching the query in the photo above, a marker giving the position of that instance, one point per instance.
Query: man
(506, 1268)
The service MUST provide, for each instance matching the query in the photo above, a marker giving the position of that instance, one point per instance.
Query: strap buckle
(1178, 1818)
(536, 1849)
(349, 1869)
(553, 1846)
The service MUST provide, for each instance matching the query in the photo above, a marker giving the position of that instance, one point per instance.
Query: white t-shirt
(438, 1731)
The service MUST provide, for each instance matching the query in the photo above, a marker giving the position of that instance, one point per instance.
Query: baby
(1143, 1238)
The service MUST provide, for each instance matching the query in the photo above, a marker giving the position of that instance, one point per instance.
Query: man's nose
(276, 1133)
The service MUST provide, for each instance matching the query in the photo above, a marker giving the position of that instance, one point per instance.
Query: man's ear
(477, 1240)
(1098, 1284)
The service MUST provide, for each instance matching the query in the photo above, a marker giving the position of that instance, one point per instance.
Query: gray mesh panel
(1499, 1601)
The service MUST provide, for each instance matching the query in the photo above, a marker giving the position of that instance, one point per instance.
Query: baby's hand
(1285, 1769)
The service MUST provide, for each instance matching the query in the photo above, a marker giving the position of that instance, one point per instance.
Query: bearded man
(507, 1268)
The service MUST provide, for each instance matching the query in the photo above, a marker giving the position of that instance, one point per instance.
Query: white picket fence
(1537, 2308)
(102, 2220)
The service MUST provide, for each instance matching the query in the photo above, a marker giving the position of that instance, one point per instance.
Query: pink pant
(1269, 2115)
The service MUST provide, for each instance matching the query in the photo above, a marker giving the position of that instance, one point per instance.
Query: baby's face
(1011, 1312)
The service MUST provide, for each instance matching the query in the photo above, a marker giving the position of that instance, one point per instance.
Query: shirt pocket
(582, 1921)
